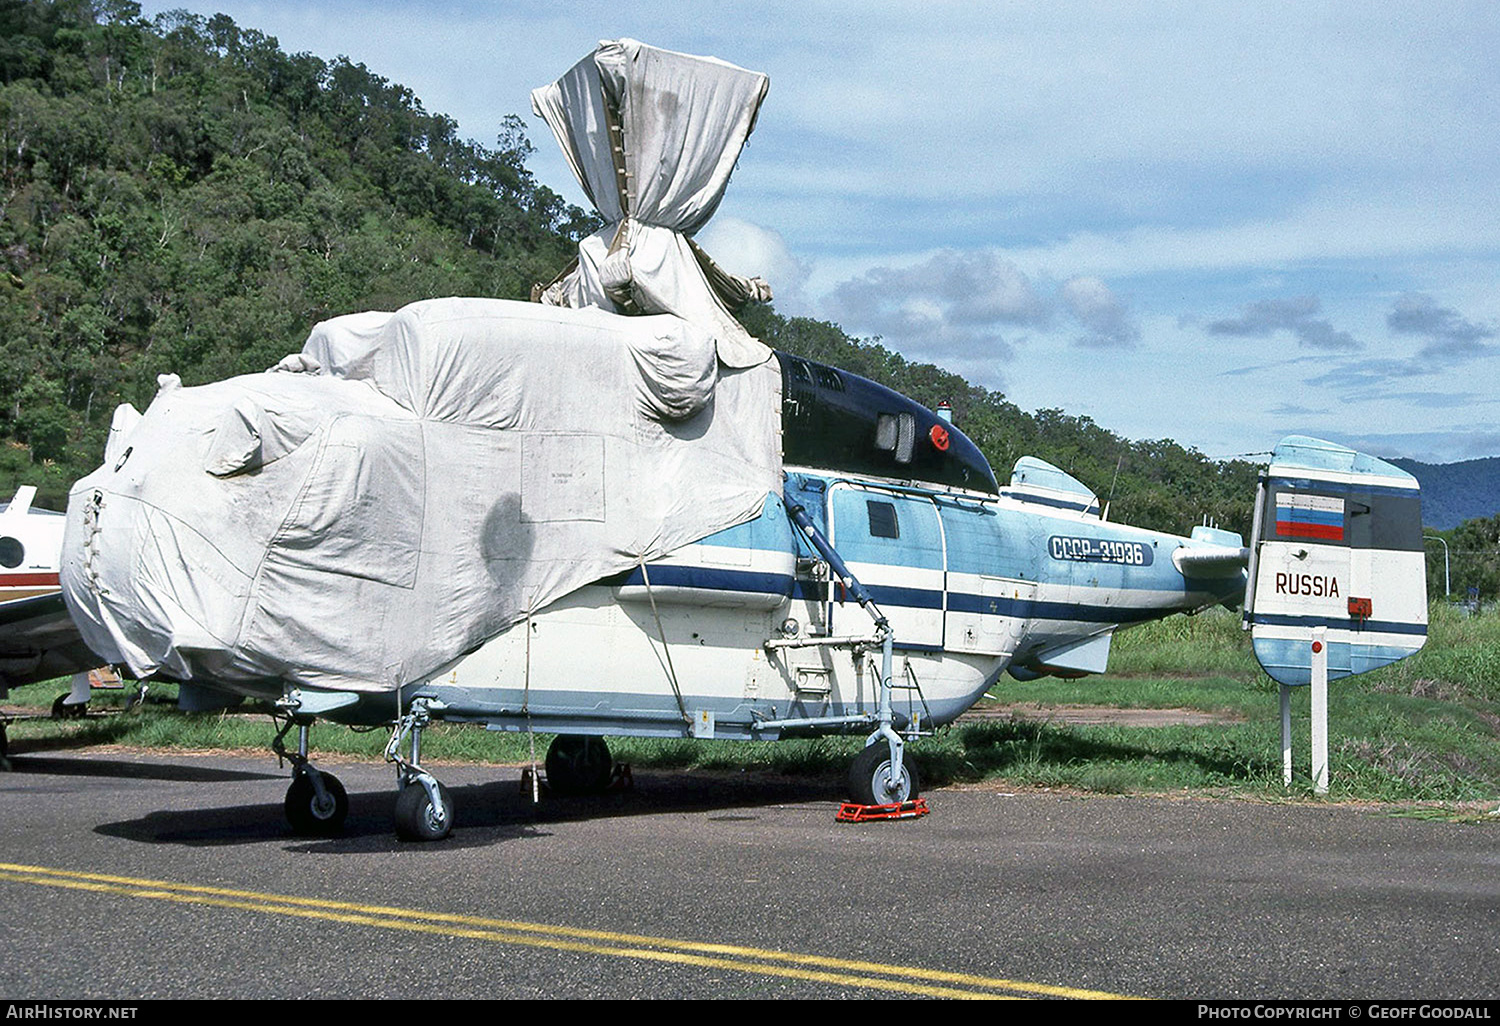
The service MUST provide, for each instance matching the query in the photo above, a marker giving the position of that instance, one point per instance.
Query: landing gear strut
(316, 803)
(424, 807)
(879, 775)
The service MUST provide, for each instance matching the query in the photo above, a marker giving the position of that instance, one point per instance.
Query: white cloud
(958, 304)
(951, 304)
(744, 248)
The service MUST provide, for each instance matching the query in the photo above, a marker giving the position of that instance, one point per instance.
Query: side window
(883, 523)
(12, 552)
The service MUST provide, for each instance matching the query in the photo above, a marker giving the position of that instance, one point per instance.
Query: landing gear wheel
(307, 815)
(578, 764)
(870, 780)
(61, 710)
(416, 819)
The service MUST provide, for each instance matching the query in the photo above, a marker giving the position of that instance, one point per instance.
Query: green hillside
(181, 196)
(187, 198)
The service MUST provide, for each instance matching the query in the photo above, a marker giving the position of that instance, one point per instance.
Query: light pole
(1447, 582)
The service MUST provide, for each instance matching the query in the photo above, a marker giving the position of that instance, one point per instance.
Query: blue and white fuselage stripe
(945, 552)
(971, 584)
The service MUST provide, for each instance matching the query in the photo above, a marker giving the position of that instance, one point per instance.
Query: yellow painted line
(764, 961)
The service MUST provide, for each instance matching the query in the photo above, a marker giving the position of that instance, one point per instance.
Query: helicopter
(608, 512)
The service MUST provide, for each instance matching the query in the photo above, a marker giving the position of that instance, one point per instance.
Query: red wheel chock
(849, 812)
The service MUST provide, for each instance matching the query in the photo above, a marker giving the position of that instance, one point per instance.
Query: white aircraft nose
(145, 589)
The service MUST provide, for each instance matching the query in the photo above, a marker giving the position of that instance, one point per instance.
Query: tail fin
(1337, 543)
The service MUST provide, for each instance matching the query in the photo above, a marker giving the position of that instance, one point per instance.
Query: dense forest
(179, 195)
(184, 197)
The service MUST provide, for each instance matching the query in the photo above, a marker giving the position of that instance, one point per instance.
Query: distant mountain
(1455, 492)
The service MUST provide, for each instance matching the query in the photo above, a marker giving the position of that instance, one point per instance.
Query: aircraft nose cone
(145, 589)
(97, 585)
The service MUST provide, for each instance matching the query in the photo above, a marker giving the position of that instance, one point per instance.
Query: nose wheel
(316, 802)
(418, 816)
(871, 781)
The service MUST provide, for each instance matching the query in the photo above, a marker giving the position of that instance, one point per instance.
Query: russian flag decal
(1309, 516)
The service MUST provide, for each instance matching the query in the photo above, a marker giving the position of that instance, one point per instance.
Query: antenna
(1112, 482)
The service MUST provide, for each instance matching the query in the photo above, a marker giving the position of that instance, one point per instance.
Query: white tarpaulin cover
(406, 487)
(680, 123)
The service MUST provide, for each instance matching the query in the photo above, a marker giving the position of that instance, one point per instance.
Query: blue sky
(1217, 222)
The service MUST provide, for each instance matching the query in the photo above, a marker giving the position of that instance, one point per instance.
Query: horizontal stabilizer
(1211, 553)
(21, 504)
(1337, 544)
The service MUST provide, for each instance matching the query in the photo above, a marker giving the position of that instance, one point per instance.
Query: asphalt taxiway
(137, 876)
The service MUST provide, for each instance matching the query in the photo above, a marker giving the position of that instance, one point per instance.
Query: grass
(1421, 731)
(1208, 644)
(1425, 729)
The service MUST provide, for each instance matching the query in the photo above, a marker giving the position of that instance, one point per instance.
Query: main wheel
(61, 710)
(307, 814)
(870, 780)
(578, 764)
(416, 819)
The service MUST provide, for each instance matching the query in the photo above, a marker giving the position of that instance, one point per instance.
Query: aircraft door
(893, 543)
(989, 595)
